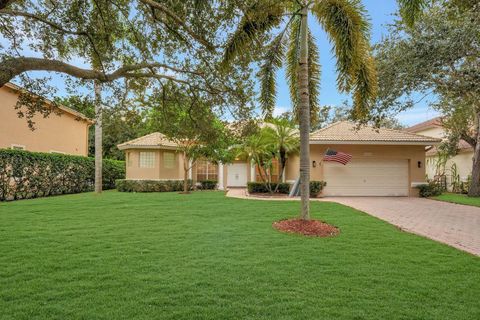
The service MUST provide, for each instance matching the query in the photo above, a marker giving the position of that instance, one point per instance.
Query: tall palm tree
(345, 23)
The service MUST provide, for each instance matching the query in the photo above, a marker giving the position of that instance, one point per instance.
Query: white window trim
(13, 145)
(208, 164)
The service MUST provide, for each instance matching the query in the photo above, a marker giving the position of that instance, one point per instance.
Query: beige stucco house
(462, 161)
(385, 162)
(65, 131)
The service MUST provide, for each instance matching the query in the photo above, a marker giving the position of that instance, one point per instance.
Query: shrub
(316, 187)
(25, 174)
(151, 185)
(208, 184)
(261, 187)
(429, 190)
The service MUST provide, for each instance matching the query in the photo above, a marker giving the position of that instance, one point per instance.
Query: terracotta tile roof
(435, 122)
(150, 141)
(346, 132)
(50, 103)
(462, 147)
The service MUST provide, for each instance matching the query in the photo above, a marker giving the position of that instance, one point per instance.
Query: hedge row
(151, 185)
(208, 184)
(25, 174)
(261, 187)
(316, 187)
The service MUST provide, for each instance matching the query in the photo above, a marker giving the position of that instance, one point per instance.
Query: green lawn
(204, 256)
(459, 198)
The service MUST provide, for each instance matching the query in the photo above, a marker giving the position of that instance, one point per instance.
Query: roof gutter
(393, 143)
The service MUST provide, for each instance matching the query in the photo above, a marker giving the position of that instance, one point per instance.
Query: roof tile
(344, 131)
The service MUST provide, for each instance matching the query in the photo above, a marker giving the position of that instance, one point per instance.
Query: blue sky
(381, 14)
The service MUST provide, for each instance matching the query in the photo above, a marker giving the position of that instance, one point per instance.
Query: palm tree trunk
(98, 137)
(304, 117)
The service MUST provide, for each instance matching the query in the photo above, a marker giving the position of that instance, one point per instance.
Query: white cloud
(280, 110)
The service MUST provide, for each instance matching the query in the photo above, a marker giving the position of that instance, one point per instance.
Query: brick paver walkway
(453, 224)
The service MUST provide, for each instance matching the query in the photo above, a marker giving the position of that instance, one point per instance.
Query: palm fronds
(344, 22)
(257, 20)
(293, 54)
(272, 62)
(410, 10)
(365, 89)
(314, 74)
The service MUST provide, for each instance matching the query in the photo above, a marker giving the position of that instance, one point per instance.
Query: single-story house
(462, 160)
(385, 162)
(64, 131)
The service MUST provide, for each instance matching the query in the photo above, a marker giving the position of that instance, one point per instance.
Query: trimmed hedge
(261, 187)
(316, 187)
(151, 185)
(208, 184)
(429, 190)
(25, 174)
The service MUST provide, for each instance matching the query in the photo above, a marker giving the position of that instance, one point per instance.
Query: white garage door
(237, 175)
(367, 178)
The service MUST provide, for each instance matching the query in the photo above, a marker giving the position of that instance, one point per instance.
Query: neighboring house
(65, 131)
(462, 161)
(385, 162)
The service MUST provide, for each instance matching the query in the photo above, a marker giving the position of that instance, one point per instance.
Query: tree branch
(179, 21)
(13, 67)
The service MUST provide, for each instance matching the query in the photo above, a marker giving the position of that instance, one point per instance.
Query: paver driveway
(453, 224)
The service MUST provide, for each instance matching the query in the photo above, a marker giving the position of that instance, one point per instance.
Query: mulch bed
(311, 228)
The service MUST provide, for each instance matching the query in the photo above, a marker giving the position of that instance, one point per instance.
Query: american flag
(332, 155)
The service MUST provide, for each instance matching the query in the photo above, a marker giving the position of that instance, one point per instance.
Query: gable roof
(344, 132)
(68, 110)
(154, 140)
(435, 122)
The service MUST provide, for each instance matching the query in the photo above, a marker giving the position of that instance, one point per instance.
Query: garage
(367, 177)
(384, 162)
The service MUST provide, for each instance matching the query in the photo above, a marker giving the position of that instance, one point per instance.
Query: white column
(190, 169)
(220, 177)
(252, 172)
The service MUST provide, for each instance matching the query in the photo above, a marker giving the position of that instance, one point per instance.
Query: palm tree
(345, 23)
(283, 137)
(257, 149)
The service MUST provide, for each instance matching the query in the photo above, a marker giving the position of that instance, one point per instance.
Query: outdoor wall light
(419, 164)
(314, 163)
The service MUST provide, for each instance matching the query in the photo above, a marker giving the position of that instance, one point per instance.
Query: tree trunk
(186, 168)
(474, 190)
(304, 118)
(98, 137)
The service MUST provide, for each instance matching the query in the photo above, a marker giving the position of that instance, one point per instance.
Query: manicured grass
(459, 198)
(204, 256)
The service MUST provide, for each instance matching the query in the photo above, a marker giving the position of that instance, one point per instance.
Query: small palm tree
(257, 149)
(345, 23)
(283, 137)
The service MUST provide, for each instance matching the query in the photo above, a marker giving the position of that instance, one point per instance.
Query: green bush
(429, 190)
(261, 187)
(316, 187)
(208, 184)
(151, 185)
(25, 174)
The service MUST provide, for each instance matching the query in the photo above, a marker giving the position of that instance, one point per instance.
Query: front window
(272, 172)
(169, 160)
(147, 160)
(206, 170)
